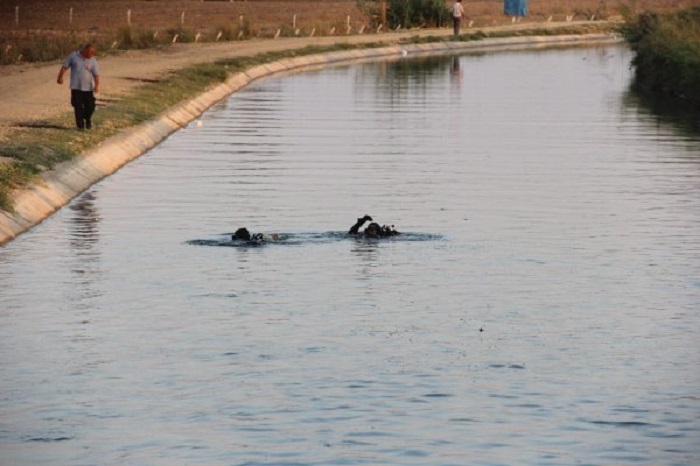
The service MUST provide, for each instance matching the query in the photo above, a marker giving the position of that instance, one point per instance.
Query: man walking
(84, 83)
(457, 13)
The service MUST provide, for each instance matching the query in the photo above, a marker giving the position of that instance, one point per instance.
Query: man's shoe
(88, 124)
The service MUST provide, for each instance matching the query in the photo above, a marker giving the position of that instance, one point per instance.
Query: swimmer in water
(373, 230)
(242, 234)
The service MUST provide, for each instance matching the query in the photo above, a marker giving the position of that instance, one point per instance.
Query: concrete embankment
(57, 187)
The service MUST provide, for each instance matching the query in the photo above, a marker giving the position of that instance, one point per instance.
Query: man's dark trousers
(83, 103)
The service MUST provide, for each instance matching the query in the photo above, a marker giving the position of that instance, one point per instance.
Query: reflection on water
(673, 112)
(85, 264)
(540, 309)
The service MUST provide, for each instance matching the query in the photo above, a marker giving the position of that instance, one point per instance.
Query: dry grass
(40, 30)
(107, 16)
(265, 17)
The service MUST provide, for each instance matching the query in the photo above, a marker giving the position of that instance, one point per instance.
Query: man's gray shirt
(82, 72)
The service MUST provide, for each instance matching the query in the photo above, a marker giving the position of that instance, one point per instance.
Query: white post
(196, 38)
(128, 17)
(218, 36)
(347, 23)
(70, 16)
(240, 21)
(182, 19)
(294, 21)
(175, 38)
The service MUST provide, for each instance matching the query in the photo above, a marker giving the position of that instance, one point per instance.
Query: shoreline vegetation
(667, 53)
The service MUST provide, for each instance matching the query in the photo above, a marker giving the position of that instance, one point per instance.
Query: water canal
(542, 309)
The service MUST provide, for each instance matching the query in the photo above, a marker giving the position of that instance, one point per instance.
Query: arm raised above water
(360, 221)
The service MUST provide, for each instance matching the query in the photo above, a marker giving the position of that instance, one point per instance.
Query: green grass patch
(13, 176)
(478, 34)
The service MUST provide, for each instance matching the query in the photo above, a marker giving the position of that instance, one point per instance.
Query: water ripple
(542, 299)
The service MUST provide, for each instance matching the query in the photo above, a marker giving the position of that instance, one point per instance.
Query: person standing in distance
(84, 83)
(457, 13)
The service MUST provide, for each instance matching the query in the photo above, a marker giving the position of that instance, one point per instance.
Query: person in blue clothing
(84, 83)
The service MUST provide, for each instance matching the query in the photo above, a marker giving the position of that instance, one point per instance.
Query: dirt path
(29, 93)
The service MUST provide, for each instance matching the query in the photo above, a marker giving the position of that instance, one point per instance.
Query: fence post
(17, 15)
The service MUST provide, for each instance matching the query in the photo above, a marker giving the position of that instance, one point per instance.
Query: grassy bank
(667, 48)
(36, 147)
(30, 150)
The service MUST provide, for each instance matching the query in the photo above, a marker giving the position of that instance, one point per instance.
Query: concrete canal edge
(59, 186)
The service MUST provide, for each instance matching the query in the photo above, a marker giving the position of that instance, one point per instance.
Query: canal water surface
(541, 308)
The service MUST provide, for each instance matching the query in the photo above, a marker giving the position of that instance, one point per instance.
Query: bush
(667, 52)
(183, 34)
(408, 13)
(417, 13)
(131, 38)
(23, 47)
(241, 30)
